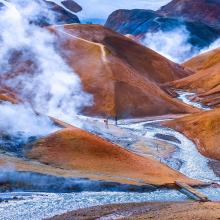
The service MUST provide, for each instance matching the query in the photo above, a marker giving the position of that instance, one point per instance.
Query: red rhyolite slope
(206, 81)
(78, 150)
(123, 76)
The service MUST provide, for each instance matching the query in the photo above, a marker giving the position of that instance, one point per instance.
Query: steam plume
(175, 45)
(44, 80)
(172, 44)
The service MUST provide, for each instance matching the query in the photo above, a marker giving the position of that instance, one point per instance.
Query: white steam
(175, 44)
(172, 44)
(52, 87)
(17, 118)
(214, 45)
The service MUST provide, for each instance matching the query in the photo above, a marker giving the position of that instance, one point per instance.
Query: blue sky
(102, 8)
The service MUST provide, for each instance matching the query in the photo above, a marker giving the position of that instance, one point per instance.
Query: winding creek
(185, 158)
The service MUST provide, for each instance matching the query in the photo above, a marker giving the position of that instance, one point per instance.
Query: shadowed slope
(123, 76)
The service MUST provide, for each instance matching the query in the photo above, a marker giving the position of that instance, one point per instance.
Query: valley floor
(144, 137)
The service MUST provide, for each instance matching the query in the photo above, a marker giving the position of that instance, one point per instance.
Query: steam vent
(109, 109)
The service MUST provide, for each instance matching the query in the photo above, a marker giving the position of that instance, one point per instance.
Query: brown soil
(144, 211)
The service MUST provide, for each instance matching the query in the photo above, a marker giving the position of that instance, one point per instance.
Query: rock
(72, 6)
(168, 138)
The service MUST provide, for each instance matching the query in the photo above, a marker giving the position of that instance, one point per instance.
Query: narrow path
(101, 46)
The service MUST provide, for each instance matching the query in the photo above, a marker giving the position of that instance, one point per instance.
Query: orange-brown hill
(78, 150)
(206, 81)
(123, 76)
(203, 128)
(146, 62)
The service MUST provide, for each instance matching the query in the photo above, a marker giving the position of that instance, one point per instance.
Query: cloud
(175, 44)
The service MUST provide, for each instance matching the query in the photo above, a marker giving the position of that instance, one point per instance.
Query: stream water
(186, 98)
(186, 159)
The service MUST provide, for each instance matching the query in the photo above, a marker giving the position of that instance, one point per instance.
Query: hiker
(106, 122)
(116, 120)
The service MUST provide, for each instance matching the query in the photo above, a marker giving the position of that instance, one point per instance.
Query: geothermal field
(109, 110)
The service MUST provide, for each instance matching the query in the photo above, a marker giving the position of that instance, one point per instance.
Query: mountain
(138, 22)
(206, 81)
(123, 76)
(86, 153)
(203, 128)
(205, 11)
